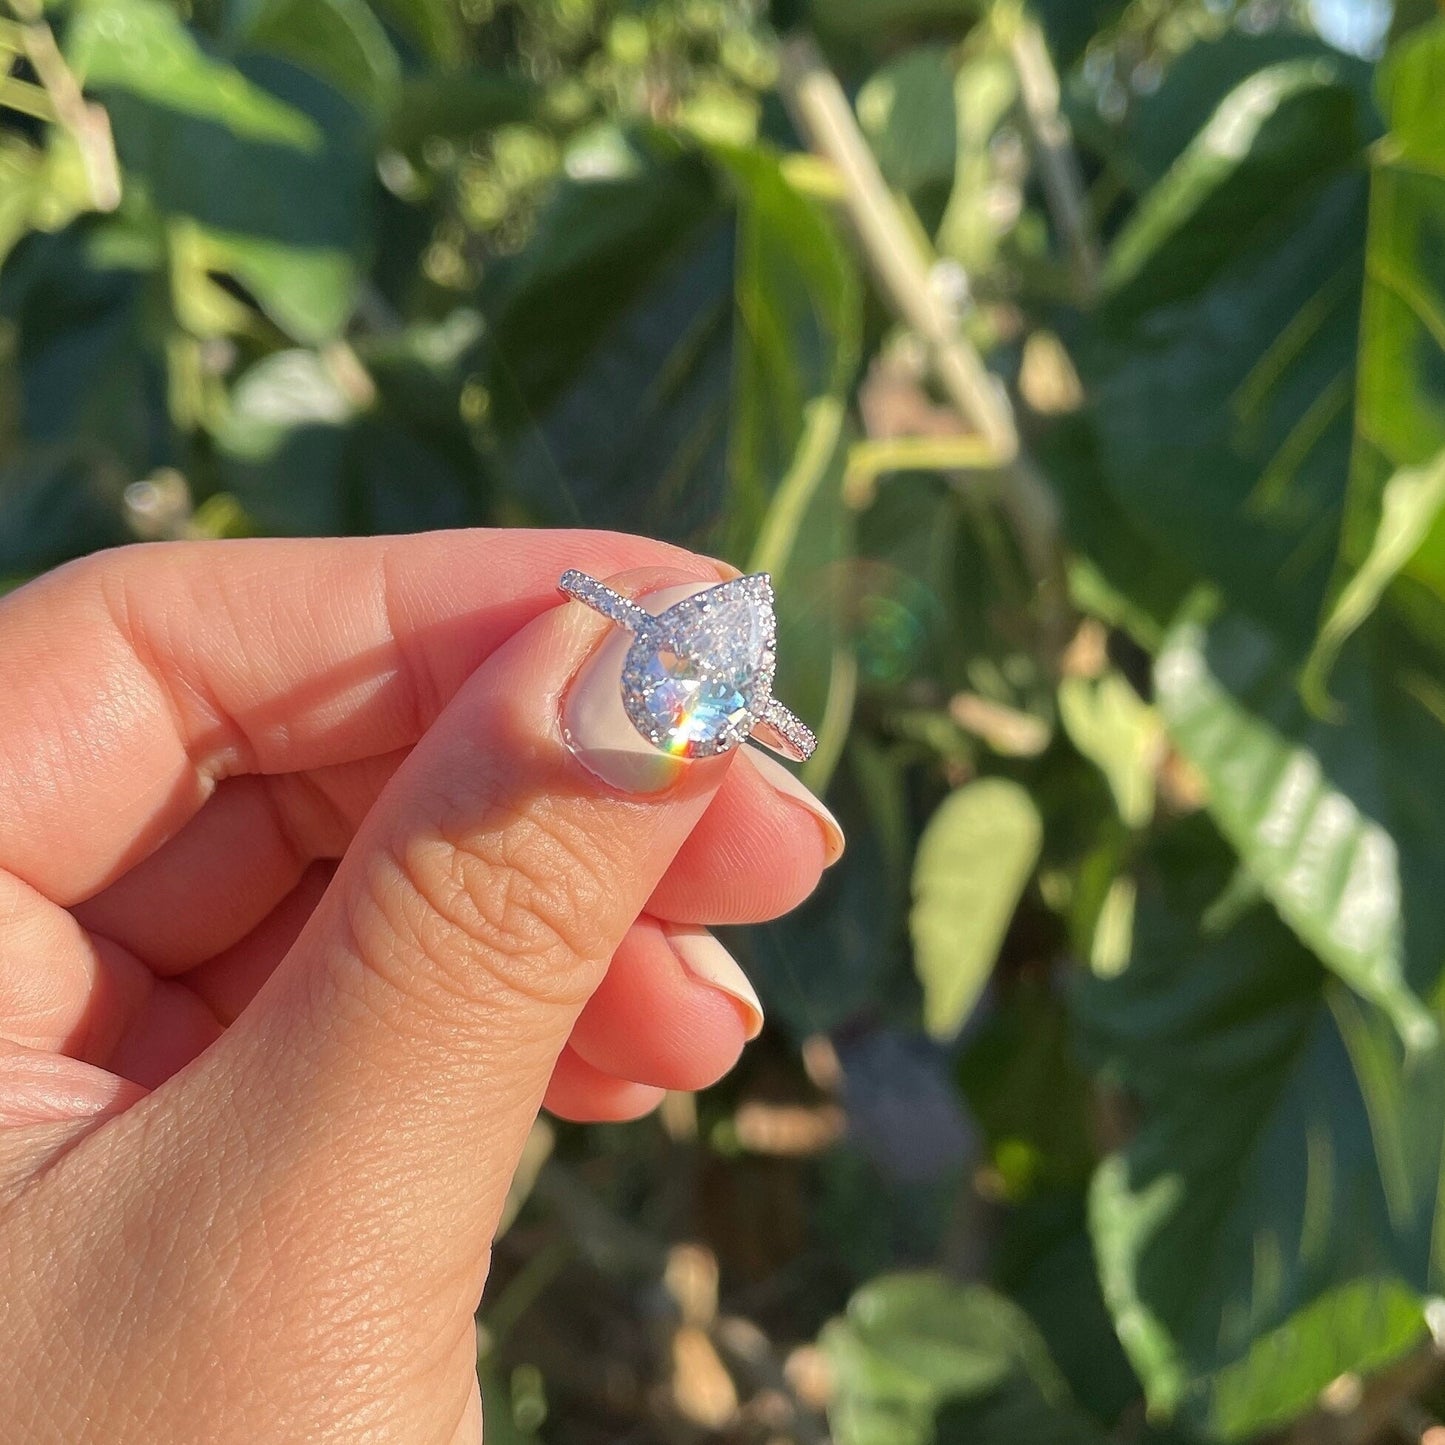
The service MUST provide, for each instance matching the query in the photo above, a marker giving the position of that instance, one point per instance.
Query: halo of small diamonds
(698, 678)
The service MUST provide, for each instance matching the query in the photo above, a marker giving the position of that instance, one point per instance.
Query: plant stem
(823, 116)
(870, 460)
(27, 99)
(901, 263)
(1053, 144)
(87, 124)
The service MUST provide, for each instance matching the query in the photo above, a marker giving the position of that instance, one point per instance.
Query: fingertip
(712, 965)
(674, 1010)
(792, 789)
(582, 1094)
(755, 854)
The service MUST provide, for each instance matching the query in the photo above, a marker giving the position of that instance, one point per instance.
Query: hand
(305, 907)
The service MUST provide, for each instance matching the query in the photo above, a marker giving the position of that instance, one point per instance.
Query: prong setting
(698, 678)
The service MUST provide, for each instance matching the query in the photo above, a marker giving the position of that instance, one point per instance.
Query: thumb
(413, 1029)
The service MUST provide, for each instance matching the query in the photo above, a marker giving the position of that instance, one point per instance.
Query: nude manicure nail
(710, 963)
(781, 780)
(595, 723)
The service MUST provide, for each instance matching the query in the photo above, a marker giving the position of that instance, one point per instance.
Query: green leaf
(1266, 1227)
(1356, 1329)
(434, 25)
(1028, 1092)
(1410, 503)
(799, 302)
(1326, 859)
(1071, 24)
(1222, 366)
(54, 505)
(974, 859)
(20, 168)
(63, 184)
(90, 373)
(799, 310)
(1274, 137)
(984, 93)
(1412, 13)
(312, 447)
(1046, 1265)
(457, 105)
(830, 962)
(920, 1360)
(629, 205)
(915, 617)
(307, 291)
(141, 47)
(339, 41)
(1410, 96)
(609, 349)
(1117, 572)
(806, 540)
(289, 224)
(1159, 126)
(274, 164)
(1119, 733)
(905, 109)
(866, 19)
(639, 429)
(1394, 531)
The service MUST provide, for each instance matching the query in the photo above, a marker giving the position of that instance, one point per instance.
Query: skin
(305, 910)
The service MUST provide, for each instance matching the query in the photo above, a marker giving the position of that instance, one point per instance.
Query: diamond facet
(699, 676)
(698, 679)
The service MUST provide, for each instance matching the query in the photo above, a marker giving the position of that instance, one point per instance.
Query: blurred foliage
(1104, 1097)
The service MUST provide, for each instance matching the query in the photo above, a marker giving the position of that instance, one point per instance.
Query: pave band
(698, 678)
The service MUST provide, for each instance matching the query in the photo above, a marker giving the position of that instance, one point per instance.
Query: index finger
(136, 679)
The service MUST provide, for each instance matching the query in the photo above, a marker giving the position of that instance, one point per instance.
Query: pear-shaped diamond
(701, 674)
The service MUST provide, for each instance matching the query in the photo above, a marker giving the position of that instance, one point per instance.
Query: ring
(698, 678)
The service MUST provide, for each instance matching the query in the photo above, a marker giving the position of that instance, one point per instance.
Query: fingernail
(782, 781)
(710, 963)
(595, 723)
